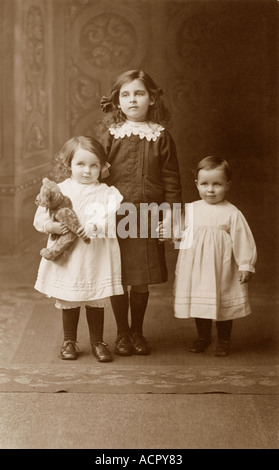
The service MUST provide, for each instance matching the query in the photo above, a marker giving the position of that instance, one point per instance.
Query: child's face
(212, 185)
(134, 100)
(85, 167)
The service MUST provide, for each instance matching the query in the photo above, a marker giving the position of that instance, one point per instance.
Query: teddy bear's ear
(45, 180)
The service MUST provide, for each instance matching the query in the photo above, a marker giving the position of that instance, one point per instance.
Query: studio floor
(171, 399)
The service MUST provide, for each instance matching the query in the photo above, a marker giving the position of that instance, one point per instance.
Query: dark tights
(204, 326)
(95, 321)
(120, 305)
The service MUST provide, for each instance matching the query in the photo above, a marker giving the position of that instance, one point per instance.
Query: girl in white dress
(87, 274)
(216, 259)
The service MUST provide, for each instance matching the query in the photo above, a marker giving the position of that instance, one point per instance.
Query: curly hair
(157, 113)
(63, 159)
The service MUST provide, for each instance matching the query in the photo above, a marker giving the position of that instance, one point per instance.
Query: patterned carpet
(30, 339)
(135, 379)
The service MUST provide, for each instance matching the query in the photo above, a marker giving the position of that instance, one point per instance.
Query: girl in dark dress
(144, 168)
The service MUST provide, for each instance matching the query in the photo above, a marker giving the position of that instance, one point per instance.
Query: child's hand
(91, 230)
(164, 227)
(56, 227)
(163, 232)
(81, 233)
(244, 276)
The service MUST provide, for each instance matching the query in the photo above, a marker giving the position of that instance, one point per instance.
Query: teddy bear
(60, 209)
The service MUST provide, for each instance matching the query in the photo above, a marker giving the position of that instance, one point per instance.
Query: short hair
(210, 163)
(64, 157)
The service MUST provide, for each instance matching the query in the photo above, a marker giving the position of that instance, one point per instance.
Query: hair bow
(105, 170)
(106, 104)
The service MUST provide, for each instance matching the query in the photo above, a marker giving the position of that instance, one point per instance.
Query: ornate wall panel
(35, 95)
(36, 107)
(6, 90)
(186, 30)
(215, 60)
(26, 103)
(105, 39)
(1, 74)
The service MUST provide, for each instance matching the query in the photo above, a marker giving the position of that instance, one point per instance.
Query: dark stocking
(70, 318)
(95, 320)
(224, 329)
(204, 328)
(120, 307)
(138, 304)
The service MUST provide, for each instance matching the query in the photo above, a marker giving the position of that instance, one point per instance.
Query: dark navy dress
(144, 168)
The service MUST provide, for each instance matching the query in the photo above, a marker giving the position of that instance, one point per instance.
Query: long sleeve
(144, 164)
(170, 169)
(40, 219)
(106, 141)
(244, 247)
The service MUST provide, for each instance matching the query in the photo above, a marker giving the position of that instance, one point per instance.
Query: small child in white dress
(214, 267)
(87, 274)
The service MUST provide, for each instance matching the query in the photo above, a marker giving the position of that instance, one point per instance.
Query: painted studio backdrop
(215, 60)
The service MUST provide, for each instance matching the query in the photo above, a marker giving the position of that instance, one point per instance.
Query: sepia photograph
(139, 228)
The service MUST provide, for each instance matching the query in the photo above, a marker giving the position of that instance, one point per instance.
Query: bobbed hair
(63, 159)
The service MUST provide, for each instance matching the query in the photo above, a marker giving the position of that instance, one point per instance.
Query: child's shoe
(101, 352)
(140, 345)
(222, 348)
(123, 346)
(69, 350)
(199, 345)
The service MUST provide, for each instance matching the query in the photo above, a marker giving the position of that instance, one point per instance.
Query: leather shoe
(123, 346)
(101, 352)
(199, 345)
(69, 350)
(140, 345)
(222, 348)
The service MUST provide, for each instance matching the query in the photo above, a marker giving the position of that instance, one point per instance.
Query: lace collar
(148, 130)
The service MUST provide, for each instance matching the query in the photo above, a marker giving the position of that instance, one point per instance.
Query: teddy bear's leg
(59, 247)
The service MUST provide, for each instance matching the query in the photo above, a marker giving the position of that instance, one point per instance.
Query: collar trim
(145, 130)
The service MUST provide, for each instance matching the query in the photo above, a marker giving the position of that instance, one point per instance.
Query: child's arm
(44, 223)
(170, 175)
(244, 247)
(170, 178)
